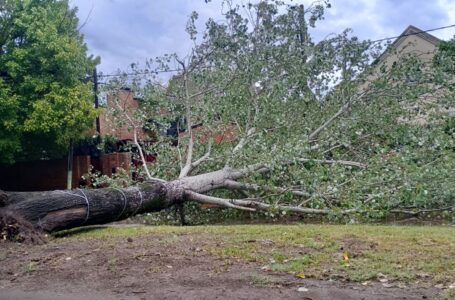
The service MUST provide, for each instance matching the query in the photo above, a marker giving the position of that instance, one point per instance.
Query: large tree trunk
(63, 209)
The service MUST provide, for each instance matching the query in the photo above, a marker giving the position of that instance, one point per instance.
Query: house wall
(227, 134)
(118, 126)
(412, 44)
(424, 47)
(407, 45)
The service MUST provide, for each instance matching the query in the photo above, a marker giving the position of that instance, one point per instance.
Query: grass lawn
(359, 253)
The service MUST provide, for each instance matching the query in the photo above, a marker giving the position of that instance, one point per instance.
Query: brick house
(413, 41)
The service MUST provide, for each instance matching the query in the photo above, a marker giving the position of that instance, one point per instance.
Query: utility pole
(95, 92)
(69, 176)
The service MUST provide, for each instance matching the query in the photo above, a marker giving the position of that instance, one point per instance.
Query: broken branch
(334, 162)
(214, 201)
(231, 184)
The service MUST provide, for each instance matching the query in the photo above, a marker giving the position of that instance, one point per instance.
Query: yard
(235, 262)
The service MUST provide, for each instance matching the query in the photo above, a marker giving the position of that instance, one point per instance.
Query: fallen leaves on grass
(266, 268)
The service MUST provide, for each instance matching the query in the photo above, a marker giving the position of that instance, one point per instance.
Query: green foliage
(260, 69)
(44, 104)
(446, 54)
(120, 179)
(108, 144)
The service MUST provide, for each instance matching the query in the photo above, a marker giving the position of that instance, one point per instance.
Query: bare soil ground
(162, 266)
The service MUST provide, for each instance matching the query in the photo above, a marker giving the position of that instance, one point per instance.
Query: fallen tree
(63, 209)
(298, 143)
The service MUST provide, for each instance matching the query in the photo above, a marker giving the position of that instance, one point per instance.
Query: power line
(413, 33)
(139, 73)
(374, 41)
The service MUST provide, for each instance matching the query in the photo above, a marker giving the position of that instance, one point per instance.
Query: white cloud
(449, 7)
(123, 31)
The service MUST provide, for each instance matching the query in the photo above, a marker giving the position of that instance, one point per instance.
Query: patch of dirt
(356, 246)
(159, 266)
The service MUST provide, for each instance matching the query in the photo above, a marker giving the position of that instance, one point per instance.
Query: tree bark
(64, 209)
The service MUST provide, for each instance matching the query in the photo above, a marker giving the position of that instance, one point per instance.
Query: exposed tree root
(15, 229)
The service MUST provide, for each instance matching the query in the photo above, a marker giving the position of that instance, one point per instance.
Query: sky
(122, 32)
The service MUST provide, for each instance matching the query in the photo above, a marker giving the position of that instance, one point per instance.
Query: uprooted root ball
(13, 228)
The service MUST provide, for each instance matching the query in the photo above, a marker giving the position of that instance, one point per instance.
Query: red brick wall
(227, 134)
(109, 125)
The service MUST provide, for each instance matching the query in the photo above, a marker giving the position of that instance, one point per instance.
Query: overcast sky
(126, 31)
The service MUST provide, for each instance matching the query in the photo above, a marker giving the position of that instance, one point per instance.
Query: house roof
(410, 31)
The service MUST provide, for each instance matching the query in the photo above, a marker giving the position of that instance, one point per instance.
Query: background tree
(43, 59)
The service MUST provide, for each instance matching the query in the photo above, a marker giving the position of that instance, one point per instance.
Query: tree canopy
(44, 103)
(324, 124)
